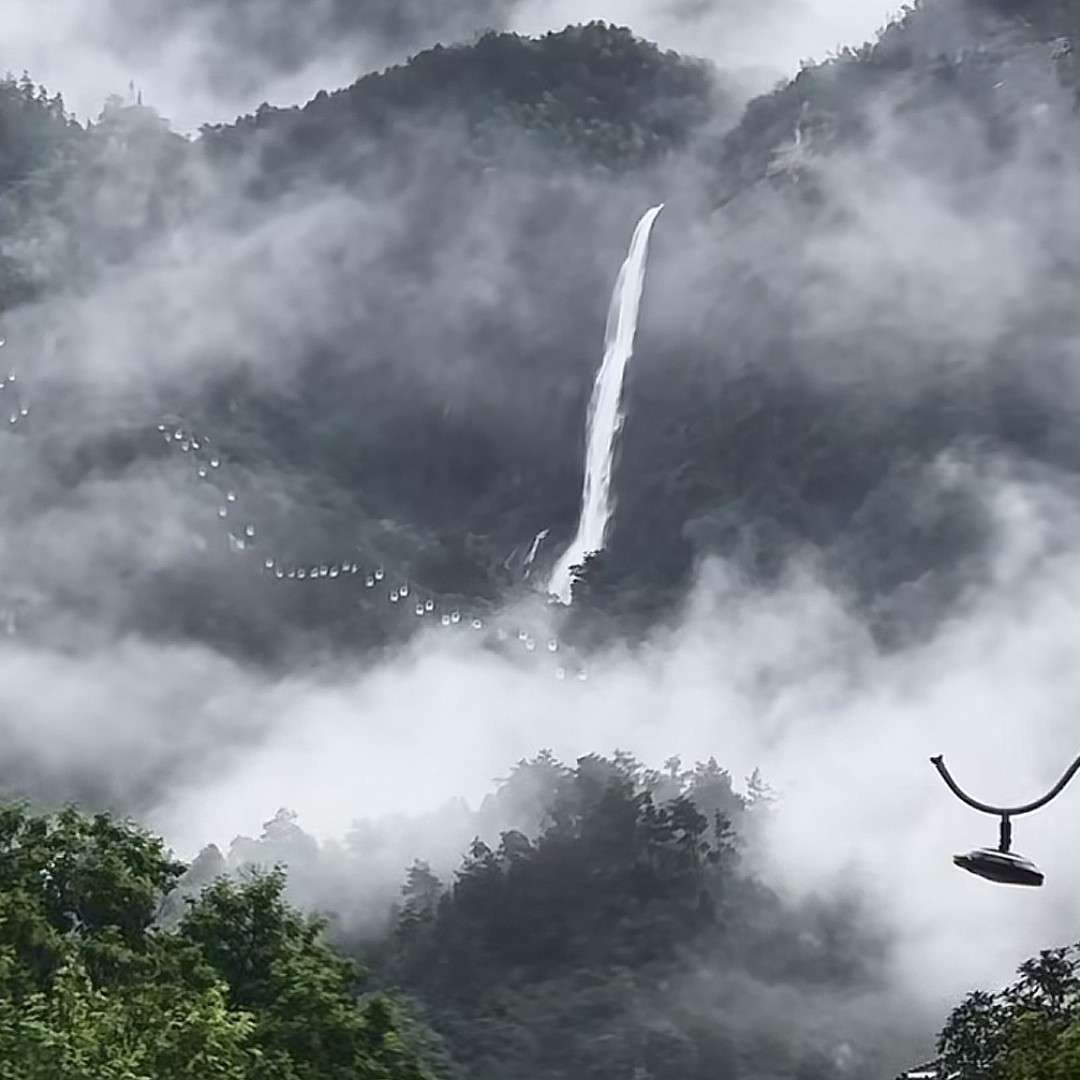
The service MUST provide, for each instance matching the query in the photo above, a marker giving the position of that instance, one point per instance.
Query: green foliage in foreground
(242, 989)
(1030, 1031)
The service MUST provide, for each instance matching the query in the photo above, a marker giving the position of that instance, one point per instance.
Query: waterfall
(605, 416)
(540, 537)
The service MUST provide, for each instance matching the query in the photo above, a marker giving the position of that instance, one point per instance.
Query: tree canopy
(622, 937)
(1029, 1031)
(243, 988)
(594, 93)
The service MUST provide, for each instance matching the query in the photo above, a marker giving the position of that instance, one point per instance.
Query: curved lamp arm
(1003, 811)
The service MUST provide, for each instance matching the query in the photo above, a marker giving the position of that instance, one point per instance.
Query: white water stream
(605, 412)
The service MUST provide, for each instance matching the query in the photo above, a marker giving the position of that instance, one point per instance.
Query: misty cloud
(787, 680)
(211, 61)
(757, 41)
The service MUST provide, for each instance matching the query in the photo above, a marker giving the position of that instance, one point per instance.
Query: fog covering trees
(386, 306)
(606, 919)
(624, 939)
(617, 930)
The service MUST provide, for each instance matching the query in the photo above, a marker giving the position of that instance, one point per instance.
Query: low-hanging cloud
(787, 680)
(757, 41)
(209, 62)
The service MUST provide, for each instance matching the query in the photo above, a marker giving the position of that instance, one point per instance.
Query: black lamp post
(1001, 864)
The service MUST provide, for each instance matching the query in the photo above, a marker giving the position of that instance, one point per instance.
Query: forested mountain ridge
(757, 451)
(596, 90)
(605, 920)
(788, 428)
(582, 951)
(758, 399)
(623, 938)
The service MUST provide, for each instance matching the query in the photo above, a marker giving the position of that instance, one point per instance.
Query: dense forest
(622, 938)
(615, 933)
(367, 327)
(568, 953)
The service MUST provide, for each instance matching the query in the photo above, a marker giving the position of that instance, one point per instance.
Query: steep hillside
(596, 89)
(423, 356)
(785, 425)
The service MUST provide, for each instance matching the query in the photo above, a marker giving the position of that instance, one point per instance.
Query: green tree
(93, 881)
(146, 1031)
(563, 951)
(308, 1021)
(92, 987)
(1030, 1031)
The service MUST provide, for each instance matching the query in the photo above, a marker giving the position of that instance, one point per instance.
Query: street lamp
(1001, 864)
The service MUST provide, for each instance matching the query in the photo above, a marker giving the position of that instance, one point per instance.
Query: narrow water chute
(605, 417)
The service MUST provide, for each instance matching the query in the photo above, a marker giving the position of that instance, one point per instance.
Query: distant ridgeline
(593, 93)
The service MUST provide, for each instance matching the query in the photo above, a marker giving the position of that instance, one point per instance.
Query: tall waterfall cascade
(605, 416)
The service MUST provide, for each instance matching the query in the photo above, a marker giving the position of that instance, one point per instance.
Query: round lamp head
(1004, 867)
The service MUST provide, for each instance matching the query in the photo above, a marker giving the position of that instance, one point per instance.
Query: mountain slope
(422, 353)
